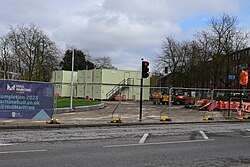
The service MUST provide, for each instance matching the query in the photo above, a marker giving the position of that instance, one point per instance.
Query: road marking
(246, 136)
(204, 135)
(144, 137)
(24, 151)
(5, 144)
(248, 130)
(161, 143)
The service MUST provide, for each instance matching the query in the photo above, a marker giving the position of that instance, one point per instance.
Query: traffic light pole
(140, 115)
(144, 74)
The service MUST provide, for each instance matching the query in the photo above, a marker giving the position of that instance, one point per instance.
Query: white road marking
(5, 144)
(160, 143)
(204, 135)
(24, 151)
(247, 136)
(144, 137)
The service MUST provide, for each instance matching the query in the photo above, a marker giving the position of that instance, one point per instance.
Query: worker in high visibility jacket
(244, 77)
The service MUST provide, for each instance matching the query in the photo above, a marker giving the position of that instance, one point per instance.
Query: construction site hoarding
(26, 100)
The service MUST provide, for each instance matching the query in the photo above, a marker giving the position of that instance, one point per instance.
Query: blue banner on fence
(26, 100)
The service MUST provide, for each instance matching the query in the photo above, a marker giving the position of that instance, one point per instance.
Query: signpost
(230, 77)
(243, 83)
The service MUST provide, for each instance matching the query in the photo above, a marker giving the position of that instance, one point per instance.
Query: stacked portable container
(106, 80)
(99, 83)
(62, 83)
(85, 83)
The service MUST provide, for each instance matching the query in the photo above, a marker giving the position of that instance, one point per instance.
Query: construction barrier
(26, 100)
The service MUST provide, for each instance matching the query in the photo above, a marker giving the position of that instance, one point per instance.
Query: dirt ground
(129, 112)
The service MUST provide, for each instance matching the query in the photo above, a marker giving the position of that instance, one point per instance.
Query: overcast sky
(125, 30)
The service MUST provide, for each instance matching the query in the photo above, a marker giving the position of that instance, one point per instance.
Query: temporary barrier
(246, 107)
(120, 97)
(231, 100)
(171, 91)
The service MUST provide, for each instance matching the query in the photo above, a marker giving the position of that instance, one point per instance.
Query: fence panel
(228, 101)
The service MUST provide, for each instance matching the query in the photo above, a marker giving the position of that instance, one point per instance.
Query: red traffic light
(145, 63)
(145, 69)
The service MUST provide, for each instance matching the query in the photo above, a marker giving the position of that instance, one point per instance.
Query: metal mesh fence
(179, 104)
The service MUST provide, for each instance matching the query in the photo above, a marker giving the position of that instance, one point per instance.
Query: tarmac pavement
(128, 111)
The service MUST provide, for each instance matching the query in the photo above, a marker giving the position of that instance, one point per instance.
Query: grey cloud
(122, 29)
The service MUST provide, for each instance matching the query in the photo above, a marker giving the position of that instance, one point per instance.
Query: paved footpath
(128, 112)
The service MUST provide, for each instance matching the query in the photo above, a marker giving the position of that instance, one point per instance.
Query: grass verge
(63, 102)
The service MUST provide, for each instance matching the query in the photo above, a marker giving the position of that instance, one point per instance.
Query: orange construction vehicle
(160, 98)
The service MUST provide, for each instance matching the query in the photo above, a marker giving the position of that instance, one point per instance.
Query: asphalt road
(137, 146)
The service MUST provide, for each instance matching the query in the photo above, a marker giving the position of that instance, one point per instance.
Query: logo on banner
(13, 87)
(20, 88)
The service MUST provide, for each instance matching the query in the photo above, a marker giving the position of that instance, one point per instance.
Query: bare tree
(205, 61)
(35, 55)
(6, 66)
(104, 62)
(223, 37)
(176, 57)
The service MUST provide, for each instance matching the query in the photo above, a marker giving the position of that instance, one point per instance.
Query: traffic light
(145, 69)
